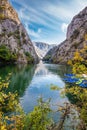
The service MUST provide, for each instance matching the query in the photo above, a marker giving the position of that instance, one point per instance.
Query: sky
(47, 20)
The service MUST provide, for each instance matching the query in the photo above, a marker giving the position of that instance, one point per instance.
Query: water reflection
(33, 81)
(20, 79)
(40, 85)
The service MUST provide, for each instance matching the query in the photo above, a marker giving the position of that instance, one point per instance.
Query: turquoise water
(33, 81)
(44, 76)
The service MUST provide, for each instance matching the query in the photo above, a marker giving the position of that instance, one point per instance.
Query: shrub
(19, 42)
(2, 16)
(79, 68)
(9, 103)
(3, 34)
(24, 40)
(23, 34)
(36, 120)
(17, 36)
(47, 57)
(30, 59)
(6, 54)
(10, 34)
(2, 8)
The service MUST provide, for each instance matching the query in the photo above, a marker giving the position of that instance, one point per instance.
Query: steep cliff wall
(75, 39)
(14, 40)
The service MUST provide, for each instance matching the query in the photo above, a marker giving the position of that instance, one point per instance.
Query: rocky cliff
(76, 32)
(15, 44)
(48, 55)
(42, 48)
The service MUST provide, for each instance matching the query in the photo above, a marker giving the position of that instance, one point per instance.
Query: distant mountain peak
(42, 48)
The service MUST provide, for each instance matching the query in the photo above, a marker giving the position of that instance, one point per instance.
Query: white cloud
(49, 15)
(35, 34)
(64, 27)
(32, 15)
(39, 30)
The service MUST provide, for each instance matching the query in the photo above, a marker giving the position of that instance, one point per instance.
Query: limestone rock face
(48, 55)
(42, 48)
(77, 23)
(75, 39)
(13, 34)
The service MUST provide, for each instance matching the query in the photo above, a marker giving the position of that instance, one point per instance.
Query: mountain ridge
(42, 48)
(75, 39)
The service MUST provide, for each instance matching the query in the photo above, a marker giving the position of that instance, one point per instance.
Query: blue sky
(47, 20)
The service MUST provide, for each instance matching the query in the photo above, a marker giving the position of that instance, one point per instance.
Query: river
(33, 81)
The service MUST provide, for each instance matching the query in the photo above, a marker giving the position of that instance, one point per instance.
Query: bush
(6, 55)
(30, 59)
(10, 34)
(2, 17)
(79, 68)
(3, 34)
(36, 120)
(17, 36)
(2, 8)
(23, 34)
(9, 103)
(47, 57)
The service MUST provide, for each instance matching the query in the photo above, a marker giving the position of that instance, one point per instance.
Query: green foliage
(30, 59)
(19, 42)
(38, 118)
(6, 54)
(53, 87)
(9, 103)
(47, 57)
(23, 34)
(17, 36)
(24, 40)
(2, 8)
(2, 17)
(10, 34)
(79, 67)
(79, 98)
(7, 100)
(3, 34)
(17, 32)
(77, 63)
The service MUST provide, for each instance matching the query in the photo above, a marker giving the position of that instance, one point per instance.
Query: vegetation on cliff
(6, 55)
(14, 36)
